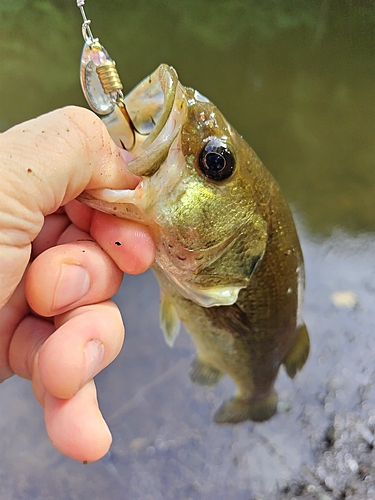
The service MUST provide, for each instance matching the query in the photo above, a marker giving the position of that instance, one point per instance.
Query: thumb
(44, 163)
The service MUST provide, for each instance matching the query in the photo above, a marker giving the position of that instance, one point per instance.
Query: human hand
(60, 266)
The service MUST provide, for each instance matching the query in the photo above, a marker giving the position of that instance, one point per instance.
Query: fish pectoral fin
(239, 409)
(204, 374)
(169, 321)
(297, 356)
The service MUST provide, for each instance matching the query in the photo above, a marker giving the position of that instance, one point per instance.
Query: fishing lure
(102, 87)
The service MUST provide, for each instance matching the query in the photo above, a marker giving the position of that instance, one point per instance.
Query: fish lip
(140, 123)
(111, 195)
(123, 203)
(168, 81)
(150, 155)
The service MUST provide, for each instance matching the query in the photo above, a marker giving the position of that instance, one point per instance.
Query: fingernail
(73, 284)
(94, 353)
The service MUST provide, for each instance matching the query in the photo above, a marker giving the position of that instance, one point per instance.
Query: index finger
(45, 163)
(57, 156)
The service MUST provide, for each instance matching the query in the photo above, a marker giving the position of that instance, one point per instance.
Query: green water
(296, 78)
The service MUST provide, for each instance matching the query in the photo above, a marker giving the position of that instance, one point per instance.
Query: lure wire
(86, 30)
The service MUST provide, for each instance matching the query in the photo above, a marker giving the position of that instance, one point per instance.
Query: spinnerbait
(102, 87)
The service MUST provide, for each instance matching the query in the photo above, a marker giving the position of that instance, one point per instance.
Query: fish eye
(216, 161)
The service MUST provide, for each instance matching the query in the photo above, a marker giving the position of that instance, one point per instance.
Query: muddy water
(298, 82)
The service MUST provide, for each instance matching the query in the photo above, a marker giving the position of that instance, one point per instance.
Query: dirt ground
(319, 445)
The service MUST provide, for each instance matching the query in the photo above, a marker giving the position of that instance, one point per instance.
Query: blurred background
(297, 80)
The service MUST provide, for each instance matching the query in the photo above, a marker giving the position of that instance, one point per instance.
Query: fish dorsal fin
(169, 320)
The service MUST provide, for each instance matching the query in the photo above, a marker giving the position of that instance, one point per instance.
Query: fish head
(198, 190)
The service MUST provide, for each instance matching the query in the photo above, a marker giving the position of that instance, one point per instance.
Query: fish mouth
(145, 124)
(142, 124)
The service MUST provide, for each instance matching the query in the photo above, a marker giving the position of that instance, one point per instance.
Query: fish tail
(297, 356)
(204, 374)
(239, 409)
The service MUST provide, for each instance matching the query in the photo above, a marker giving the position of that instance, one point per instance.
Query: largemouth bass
(228, 261)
